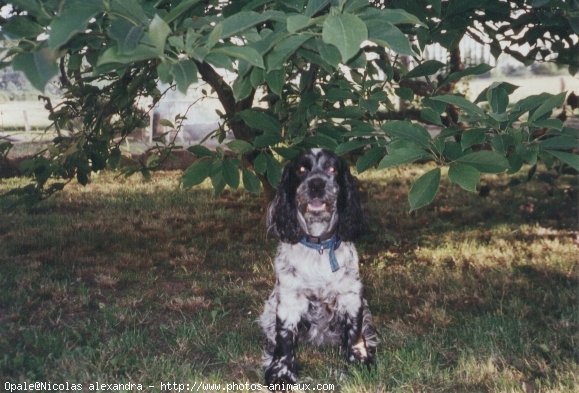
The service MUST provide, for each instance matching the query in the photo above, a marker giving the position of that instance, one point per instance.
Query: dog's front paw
(282, 372)
(361, 352)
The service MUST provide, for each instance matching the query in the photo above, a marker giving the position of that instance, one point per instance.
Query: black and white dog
(318, 293)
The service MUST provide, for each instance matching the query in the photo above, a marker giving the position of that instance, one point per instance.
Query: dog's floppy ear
(282, 217)
(352, 221)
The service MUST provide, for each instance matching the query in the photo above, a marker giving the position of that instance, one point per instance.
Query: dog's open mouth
(316, 206)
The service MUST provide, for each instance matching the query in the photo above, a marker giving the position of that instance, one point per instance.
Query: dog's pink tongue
(316, 205)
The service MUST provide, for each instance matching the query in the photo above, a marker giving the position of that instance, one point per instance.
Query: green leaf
(214, 36)
(449, 132)
(22, 26)
(476, 70)
(559, 142)
(217, 181)
(529, 104)
(405, 93)
(452, 150)
(515, 162)
(112, 55)
(230, 171)
(568, 158)
(166, 123)
(241, 88)
(273, 170)
(472, 137)
(237, 23)
(260, 163)
(275, 80)
(128, 9)
(437, 106)
(240, 147)
(73, 19)
(555, 124)
(126, 34)
(197, 172)
(284, 49)
(355, 5)
(267, 139)
(346, 32)
(38, 66)
(527, 153)
(370, 158)
(398, 16)
(256, 77)
(431, 116)
(164, 72)
(329, 53)
(547, 106)
(297, 22)
(315, 6)
(424, 189)
(406, 130)
(246, 53)
(388, 35)
(436, 6)
(350, 145)
(181, 9)
(429, 67)
(158, 32)
(395, 16)
(261, 120)
(501, 143)
(185, 73)
(486, 161)
(400, 156)
(320, 140)
(219, 61)
(466, 176)
(574, 132)
(461, 102)
(251, 181)
(334, 94)
(200, 151)
(288, 153)
(509, 88)
(498, 99)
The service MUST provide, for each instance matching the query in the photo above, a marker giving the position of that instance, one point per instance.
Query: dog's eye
(302, 170)
(331, 170)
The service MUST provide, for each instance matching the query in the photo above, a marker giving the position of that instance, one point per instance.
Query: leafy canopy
(307, 73)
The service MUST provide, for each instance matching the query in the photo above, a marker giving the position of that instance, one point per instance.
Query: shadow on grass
(152, 283)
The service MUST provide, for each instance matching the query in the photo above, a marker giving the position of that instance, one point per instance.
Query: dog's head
(317, 196)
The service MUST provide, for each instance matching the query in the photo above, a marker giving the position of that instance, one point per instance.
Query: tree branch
(408, 114)
(223, 90)
(225, 94)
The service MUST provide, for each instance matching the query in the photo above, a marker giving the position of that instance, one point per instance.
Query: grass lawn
(130, 281)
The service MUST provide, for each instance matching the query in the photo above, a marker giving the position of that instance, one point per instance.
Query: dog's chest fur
(305, 272)
(306, 269)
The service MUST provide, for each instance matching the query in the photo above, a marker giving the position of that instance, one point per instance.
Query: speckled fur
(309, 302)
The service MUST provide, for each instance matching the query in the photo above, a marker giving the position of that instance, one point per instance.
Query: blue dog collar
(331, 244)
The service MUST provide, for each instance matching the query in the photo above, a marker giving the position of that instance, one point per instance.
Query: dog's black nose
(317, 187)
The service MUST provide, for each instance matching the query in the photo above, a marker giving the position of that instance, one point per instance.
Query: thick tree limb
(225, 95)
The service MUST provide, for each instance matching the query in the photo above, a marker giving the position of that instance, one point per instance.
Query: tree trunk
(238, 127)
